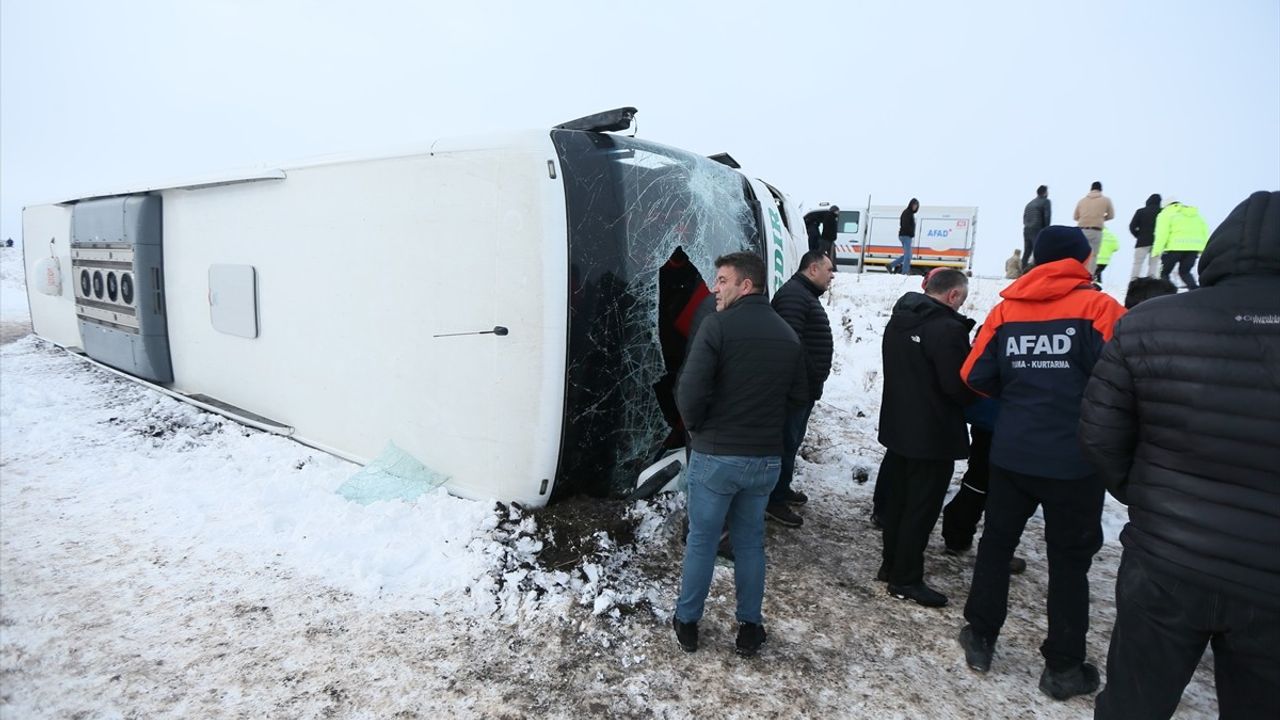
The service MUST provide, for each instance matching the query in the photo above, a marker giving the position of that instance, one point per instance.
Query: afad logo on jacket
(1031, 346)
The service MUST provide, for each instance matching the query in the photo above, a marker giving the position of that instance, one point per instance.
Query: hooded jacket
(1143, 224)
(922, 408)
(907, 222)
(1182, 416)
(797, 303)
(1094, 210)
(1179, 228)
(1035, 353)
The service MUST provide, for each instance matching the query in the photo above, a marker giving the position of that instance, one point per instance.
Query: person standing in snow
(743, 374)
(1182, 418)
(1034, 353)
(1143, 228)
(921, 425)
(797, 303)
(906, 235)
(1091, 215)
(1110, 244)
(830, 232)
(1036, 216)
(1180, 237)
(1014, 266)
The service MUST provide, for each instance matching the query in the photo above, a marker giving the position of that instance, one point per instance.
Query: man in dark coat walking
(1035, 352)
(921, 425)
(1182, 419)
(797, 303)
(1035, 217)
(1143, 229)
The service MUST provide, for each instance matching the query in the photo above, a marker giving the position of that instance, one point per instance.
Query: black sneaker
(1017, 566)
(882, 575)
(686, 634)
(922, 594)
(1062, 684)
(783, 515)
(795, 497)
(750, 637)
(977, 649)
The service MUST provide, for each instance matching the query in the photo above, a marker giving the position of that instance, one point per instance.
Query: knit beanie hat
(1058, 242)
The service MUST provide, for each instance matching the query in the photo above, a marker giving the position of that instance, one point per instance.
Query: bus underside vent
(117, 271)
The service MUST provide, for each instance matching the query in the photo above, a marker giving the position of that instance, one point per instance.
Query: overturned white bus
(505, 309)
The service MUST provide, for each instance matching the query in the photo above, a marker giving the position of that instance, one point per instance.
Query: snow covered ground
(158, 561)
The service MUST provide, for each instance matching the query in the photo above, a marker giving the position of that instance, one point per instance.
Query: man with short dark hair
(797, 303)
(1036, 216)
(1036, 349)
(744, 371)
(1182, 420)
(1091, 215)
(921, 425)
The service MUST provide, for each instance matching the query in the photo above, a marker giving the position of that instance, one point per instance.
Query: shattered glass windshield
(646, 223)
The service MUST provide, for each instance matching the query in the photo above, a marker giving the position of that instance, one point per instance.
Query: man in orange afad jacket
(1034, 354)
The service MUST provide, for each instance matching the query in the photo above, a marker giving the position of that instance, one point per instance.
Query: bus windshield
(646, 223)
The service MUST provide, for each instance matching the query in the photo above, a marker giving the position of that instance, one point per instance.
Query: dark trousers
(1185, 260)
(1028, 244)
(961, 515)
(1073, 534)
(828, 248)
(792, 436)
(1162, 627)
(1097, 273)
(916, 489)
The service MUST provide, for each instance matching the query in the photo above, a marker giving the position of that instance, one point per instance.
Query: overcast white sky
(955, 103)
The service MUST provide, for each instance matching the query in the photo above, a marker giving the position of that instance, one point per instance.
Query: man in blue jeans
(744, 371)
(906, 235)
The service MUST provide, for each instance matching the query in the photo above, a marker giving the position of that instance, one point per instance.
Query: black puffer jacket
(1037, 215)
(1143, 224)
(744, 371)
(797, 303)
(922, 409)
(1182, 415)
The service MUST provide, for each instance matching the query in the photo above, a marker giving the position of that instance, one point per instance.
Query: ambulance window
(849, 221)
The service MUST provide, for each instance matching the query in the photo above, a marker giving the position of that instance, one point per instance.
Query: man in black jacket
(1182, 419)
(1143, 228)
(744, 371)
(921, 425)
(797, 303)
(906, 236)
(1035, 217)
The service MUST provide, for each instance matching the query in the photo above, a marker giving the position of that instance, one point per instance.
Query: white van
(945, 236)
(501, 308)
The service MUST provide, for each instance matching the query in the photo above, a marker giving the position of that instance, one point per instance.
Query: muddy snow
(158, 561)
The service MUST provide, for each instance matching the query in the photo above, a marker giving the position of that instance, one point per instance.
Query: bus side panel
(46, 230)
(359, 267)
